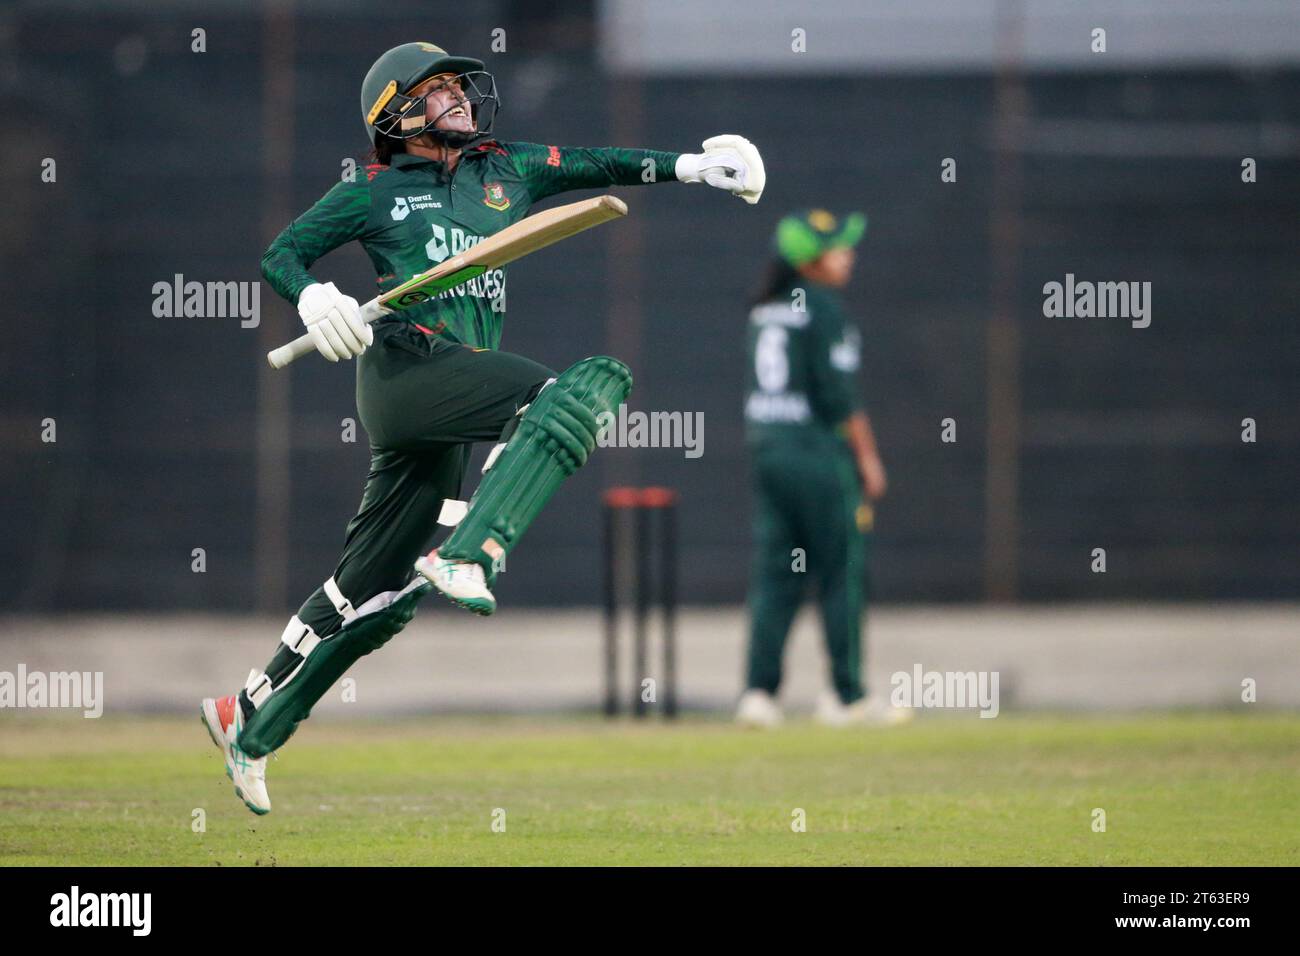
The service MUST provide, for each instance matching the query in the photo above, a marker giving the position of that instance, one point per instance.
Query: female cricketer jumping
(430, 381)
(816, 467)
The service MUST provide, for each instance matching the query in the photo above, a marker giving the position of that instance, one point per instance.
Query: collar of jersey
(402, 160)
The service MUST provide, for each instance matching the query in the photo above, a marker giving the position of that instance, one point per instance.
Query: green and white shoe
(461, 582)
(224, 720)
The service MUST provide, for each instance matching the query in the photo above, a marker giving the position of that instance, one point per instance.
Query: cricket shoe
(757, 708)
(461, 582)
(224, 720)
(866, 711)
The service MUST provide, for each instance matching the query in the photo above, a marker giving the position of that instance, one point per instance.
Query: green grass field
(1177, 790)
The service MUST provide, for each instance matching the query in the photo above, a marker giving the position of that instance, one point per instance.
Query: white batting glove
(728, 162)
(334, 322)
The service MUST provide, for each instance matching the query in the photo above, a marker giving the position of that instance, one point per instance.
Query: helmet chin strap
(454, 139)
(451, 140)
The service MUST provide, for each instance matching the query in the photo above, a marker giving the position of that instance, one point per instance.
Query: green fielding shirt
(411, 215)
(803, 365)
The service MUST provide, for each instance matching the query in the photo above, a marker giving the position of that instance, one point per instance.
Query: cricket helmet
(803, 236)
(388, 110)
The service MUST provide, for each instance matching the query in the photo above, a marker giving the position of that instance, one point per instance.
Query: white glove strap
(711, 168)
(687, 168)
(315, 301)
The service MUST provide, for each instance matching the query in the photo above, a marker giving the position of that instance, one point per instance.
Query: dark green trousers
(423, 401)
(810, 537)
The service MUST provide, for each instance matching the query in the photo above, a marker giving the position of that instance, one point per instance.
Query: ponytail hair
(384, 150)
(778, 275)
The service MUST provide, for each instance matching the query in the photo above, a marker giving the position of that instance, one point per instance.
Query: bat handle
(302, 345)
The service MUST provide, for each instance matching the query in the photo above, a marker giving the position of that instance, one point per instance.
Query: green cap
(803, 236)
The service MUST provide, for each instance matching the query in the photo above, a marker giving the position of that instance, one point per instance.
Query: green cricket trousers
(810, 535)
(423, 401)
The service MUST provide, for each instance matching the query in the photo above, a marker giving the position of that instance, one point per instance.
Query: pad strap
(493, 455)
(341, 604)
(299, 637)
(453, 510)
(258, 688)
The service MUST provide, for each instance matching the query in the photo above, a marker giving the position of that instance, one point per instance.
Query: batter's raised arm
(728, 162)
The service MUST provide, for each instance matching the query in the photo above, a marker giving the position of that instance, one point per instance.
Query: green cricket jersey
(803, 364)
(411, 215)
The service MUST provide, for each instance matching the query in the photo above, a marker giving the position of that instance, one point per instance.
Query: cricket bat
(528, 235)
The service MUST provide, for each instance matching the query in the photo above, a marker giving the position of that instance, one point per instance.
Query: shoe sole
(218, 740)
(479, 607)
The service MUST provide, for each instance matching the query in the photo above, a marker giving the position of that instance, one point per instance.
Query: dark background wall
(1128, 439)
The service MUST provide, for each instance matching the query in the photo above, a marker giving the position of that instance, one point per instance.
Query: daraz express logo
(402, 205)
(449, 242)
